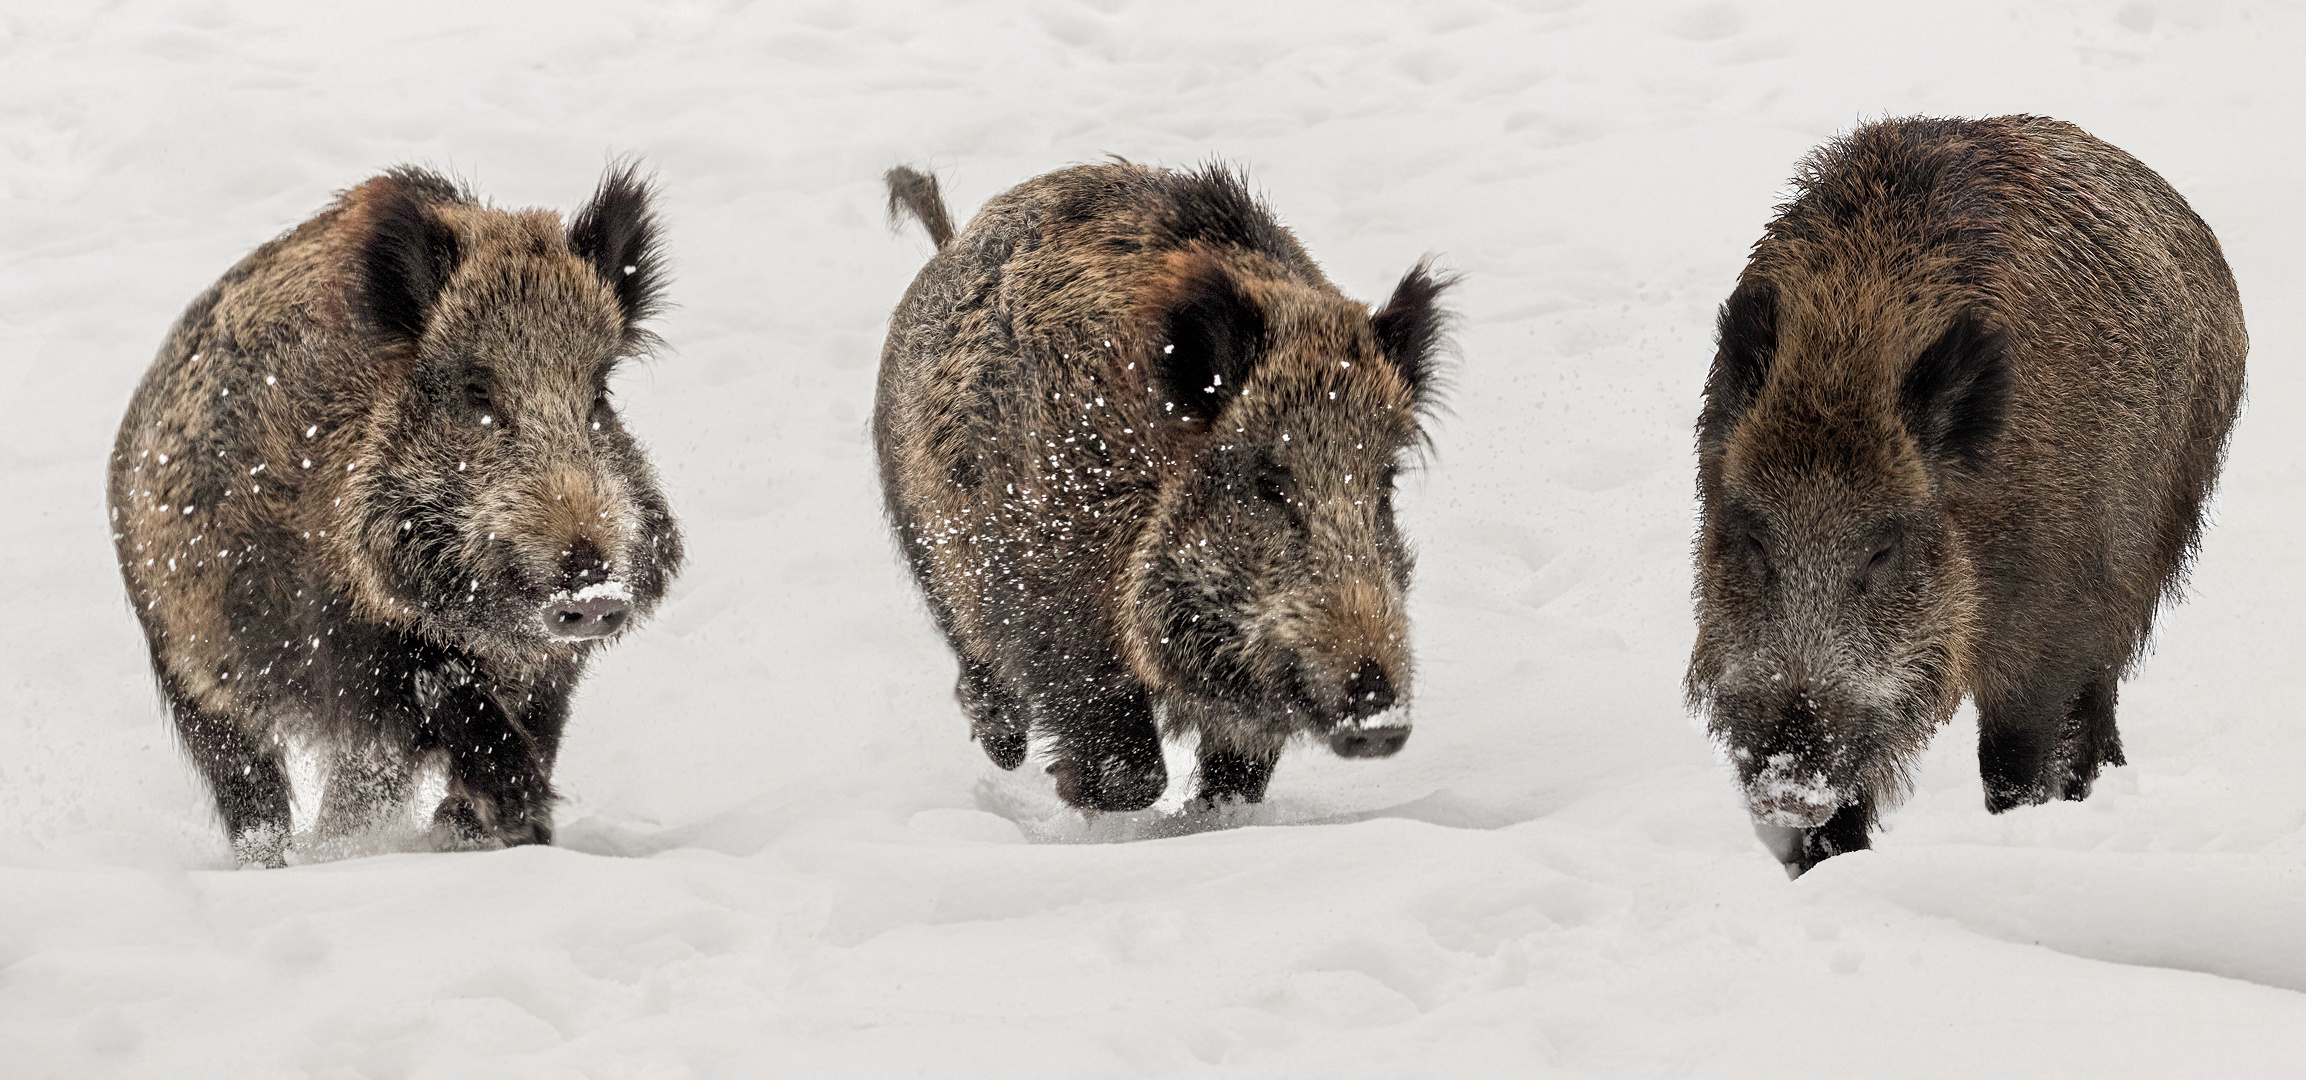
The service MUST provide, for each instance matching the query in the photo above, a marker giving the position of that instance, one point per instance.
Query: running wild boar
(1971, 392)
(1140, 454)
(373, 498)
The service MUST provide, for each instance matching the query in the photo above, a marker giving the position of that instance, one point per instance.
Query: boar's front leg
(1227, 773)
(1108, 751)
(498, 770)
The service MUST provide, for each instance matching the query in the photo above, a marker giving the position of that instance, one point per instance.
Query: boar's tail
(914, 192)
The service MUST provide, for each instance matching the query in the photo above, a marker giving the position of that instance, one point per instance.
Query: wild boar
(1140, 454)
(373, 498)
(1970, 394)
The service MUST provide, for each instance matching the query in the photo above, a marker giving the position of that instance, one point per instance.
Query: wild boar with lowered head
(1140, 454)
(373, 498)
(1971, 392)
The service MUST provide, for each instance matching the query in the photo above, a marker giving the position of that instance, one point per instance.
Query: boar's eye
(1760, 552)
(600, 410)
(1880, 558)
(1273, 485)
(482, 405)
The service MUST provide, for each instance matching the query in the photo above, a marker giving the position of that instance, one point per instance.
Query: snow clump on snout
(1791, 793)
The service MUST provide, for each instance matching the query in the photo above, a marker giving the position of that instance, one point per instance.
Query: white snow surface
(781, 856)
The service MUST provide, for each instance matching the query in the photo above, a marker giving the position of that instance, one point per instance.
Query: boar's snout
(1786, 781)
(1368, 694)
(1369, 742)
(1792, 797)
(590, 603)
(578, 615)
(1793, 739)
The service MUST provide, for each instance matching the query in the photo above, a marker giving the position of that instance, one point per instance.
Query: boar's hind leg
(997, 719)
(1108, 752)
(498, 783)
(245, 776)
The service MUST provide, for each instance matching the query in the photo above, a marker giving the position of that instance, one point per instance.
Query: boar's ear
(1411, 327)
(1746, 344)
(408, 254)
(1954, 395)
(1211, 334)
(617, 233)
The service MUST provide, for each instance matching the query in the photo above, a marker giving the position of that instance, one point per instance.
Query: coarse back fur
(372, 495)
(1139, 452)
(1970, 395)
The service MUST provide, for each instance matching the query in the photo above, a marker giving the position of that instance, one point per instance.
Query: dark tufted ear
(1746, 343)
(1413, 325)
(408, 254)
(617, 233)
(1211, 336)
(1954, 396)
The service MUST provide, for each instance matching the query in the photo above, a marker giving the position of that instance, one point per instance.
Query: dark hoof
(2002, 798)
(2079, 781)
(262, 847)
(1368, 742)
(458, 825)
(527, 832)
(1231, 778)
(1006, 748)
(1109, 784)
(521, 824)
(1220, 803)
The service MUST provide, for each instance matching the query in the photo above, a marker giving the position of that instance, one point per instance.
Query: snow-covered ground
(781, 857)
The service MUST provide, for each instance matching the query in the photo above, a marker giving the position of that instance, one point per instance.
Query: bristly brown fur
(362, 467)
(1970, 395)
(1139, 452)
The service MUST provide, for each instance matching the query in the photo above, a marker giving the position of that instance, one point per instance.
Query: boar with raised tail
(1971, 392)
(373, 498)
(1140, 454)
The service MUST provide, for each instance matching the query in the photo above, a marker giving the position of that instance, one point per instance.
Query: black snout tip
(595, 617)
(1368, 692)
(1368, 742)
